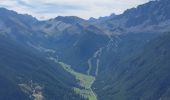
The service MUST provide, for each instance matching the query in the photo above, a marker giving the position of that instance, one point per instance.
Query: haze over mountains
(119, 57)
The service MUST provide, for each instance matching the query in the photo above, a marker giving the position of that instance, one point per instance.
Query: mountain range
(118, 57)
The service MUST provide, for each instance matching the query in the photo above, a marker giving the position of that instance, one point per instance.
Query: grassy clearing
(86, 93)
(85, 81)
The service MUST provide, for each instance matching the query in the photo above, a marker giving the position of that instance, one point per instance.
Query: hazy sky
(44, 9)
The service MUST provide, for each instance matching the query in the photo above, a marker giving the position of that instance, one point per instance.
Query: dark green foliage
(19, 65)
(140, 75)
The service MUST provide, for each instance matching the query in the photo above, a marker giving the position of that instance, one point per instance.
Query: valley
(117, 57)
(85, 81)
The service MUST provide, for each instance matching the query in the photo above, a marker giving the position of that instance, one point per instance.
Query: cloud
(45, 9)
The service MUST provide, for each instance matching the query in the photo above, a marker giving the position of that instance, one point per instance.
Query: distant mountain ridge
(152, 16)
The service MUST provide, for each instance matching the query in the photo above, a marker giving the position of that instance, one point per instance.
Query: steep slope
(28, 75)
(142, 74)
(134, 64)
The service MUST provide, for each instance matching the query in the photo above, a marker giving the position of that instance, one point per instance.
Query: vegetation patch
(85, 82)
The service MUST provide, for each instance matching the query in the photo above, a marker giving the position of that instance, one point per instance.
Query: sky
(46, 9)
